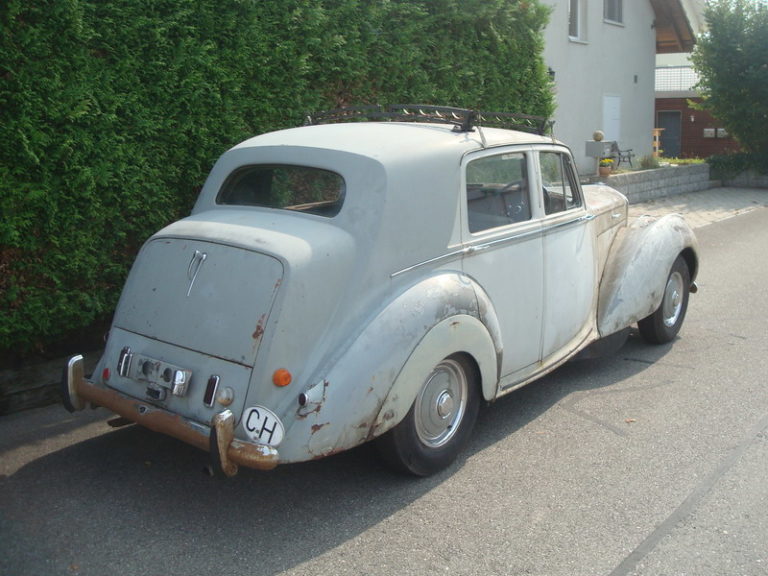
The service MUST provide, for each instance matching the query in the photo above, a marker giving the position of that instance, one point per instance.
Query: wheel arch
(633, 281)
(692, 260)
(664, 323)
(457, 335)
(364, 391)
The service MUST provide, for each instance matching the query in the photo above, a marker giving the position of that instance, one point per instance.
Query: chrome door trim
(567, 223)
(444, 258)
(472, 249)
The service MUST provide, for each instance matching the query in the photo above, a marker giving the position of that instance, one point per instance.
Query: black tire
(664, 324)
(439, 422)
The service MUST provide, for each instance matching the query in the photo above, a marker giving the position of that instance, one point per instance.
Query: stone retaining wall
(748, 179)
(649, 184)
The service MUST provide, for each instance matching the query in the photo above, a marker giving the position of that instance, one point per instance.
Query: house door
(612, 117)
(671, 122)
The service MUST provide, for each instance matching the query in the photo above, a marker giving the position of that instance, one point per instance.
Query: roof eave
(674, 32)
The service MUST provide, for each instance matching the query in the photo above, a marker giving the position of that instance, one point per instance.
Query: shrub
(111, 114)
(649, 162)
(730, 60)
(728, 165)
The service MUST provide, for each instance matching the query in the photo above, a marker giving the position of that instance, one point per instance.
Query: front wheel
(439, 422)
(664, 324)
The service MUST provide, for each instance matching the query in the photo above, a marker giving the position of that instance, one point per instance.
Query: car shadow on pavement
(564, 386)
(130, 496)
(40, 424)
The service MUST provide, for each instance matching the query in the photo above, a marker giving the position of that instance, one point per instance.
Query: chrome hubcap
(673, 299)
(444, 405)
(441, 404)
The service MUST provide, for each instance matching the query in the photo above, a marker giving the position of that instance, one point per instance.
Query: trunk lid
(201, 295)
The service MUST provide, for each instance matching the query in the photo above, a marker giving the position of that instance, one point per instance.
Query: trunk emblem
(194, 267)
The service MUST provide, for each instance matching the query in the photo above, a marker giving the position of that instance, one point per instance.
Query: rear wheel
(664, 324)
(439, 422)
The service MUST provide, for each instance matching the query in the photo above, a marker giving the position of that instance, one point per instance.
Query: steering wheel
(516, 209)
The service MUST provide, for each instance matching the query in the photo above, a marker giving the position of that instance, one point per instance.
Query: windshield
(302, 188)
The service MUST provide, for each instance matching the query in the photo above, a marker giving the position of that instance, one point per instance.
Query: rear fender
(457, 334)
(638, 265)
(371, 386)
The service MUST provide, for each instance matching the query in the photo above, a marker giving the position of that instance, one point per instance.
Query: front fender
(366, 390)
(638, 265)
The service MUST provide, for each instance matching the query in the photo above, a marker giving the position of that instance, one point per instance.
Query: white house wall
(609, 71)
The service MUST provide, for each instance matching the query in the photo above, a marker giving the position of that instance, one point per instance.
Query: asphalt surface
(649, 462)
(705, 207)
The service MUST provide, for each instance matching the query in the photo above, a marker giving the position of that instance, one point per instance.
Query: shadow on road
(136, 497)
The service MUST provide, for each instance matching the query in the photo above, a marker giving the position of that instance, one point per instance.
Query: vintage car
(377, 275)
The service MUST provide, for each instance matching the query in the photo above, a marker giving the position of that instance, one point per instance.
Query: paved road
(652, 461)
(705, 207)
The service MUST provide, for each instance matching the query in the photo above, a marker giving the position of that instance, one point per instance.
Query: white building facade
(602, 54)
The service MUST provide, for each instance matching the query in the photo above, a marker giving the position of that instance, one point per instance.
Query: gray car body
(360, 307)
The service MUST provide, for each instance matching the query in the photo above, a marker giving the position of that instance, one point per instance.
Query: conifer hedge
(113, 111)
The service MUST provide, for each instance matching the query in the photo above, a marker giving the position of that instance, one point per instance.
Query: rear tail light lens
(124, 362)
(210, 391)
(281, 377)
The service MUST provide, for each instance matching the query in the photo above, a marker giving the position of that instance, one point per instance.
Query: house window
(576, 19)
(612, 10)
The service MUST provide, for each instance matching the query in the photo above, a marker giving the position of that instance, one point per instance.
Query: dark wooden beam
(673, 29)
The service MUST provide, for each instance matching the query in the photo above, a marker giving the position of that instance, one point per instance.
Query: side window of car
(558, 180)
(497, 191)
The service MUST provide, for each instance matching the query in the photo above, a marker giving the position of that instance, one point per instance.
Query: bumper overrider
(219, 439)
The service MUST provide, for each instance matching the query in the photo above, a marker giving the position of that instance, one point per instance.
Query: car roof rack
(462, 119)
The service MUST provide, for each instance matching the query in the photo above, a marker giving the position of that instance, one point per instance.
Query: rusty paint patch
(259, 332)
(328, 452)
(388, 415)
(302, 412)
(318, 427)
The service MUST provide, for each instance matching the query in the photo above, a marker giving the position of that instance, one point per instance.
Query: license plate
(161, 374)
(263, 426)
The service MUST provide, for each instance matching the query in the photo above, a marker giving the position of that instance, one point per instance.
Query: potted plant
(606, 165)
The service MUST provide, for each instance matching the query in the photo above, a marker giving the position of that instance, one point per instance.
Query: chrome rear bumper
(229, 453)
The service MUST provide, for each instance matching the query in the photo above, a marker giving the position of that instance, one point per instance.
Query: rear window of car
(300, 188)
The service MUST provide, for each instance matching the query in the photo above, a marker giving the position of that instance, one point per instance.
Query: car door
(504, 250)
(569, 256)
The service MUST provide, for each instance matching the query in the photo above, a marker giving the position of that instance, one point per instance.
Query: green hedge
(111, 114)
(725, 166)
